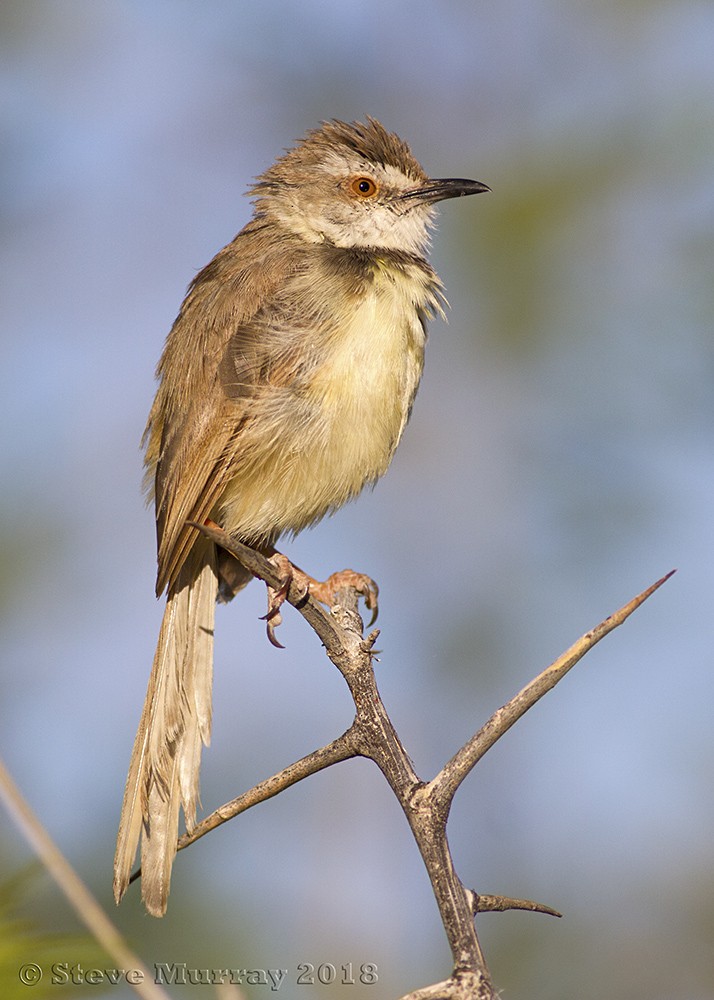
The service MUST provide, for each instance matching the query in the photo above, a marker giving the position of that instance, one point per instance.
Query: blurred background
(558, 460)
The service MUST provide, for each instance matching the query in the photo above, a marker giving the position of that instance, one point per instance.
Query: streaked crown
(353, 185)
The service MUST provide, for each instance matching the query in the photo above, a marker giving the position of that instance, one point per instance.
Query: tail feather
(175, 723)
(197, 689)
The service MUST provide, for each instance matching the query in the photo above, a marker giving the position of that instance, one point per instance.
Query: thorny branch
(372, 735)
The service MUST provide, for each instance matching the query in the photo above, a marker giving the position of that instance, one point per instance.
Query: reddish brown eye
(363, 187)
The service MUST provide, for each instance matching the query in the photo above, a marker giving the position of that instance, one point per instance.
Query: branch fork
(426, 805)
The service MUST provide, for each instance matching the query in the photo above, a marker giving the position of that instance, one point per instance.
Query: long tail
(175, 722)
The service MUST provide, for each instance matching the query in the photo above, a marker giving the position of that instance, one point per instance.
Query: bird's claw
(276, 597)
(364, 585)
(323, 590)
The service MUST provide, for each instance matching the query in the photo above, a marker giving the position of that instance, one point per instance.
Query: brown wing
(194, 423)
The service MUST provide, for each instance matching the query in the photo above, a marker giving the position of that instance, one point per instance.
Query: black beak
(444, 187)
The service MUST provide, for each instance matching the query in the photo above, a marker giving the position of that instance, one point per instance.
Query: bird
(284, 387)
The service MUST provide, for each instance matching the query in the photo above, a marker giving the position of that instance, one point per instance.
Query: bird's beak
(438, 189)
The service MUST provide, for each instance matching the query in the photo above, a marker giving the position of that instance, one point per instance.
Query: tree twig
(426, 805)
(483, 903)
(446, 782)
(340, 749)
(75, 892)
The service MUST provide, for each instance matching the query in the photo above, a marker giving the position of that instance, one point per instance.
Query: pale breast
(339, 432)
(369, 375)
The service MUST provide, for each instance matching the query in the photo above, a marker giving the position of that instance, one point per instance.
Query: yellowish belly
(320, 448)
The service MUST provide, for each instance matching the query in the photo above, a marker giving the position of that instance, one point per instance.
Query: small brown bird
(284, 388)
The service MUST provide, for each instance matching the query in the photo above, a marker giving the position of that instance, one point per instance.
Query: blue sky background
(559, 459)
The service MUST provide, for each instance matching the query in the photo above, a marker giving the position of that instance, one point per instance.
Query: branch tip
(485, 903)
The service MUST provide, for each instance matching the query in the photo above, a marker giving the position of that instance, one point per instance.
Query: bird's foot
(323, 590)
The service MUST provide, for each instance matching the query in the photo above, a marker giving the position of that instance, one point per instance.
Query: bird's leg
(322, 590)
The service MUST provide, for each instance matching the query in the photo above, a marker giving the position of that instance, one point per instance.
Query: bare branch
(372, 734)
(439, 991)
(446, 782)
(340, 749)
(461, 986)
(483, 903)
(75, 891)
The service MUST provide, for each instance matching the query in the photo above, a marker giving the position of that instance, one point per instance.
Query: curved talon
(323, 591)
(276, 598)
(371, 600)
(273, 617)
(270, 632)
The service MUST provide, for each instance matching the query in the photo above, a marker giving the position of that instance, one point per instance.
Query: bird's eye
(363, 187)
